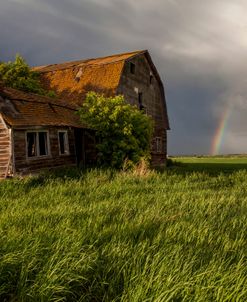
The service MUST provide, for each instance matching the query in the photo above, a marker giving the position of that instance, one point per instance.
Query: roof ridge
(117, 54)
(77, 62)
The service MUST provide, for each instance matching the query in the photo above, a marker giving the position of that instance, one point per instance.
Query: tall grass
(107, 236)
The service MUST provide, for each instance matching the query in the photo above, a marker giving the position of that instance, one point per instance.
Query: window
(42, 143)
(158, 144)
(140, 101)
(132, 68)
(151, 77)
(31, 144)
(37, 143)
(63, 142)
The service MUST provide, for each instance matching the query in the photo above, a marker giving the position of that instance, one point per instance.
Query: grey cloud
(198, 47)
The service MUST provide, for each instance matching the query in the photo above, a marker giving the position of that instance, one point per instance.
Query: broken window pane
(37, 143)
(31, 144)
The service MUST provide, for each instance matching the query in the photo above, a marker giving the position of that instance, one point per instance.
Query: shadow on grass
(174, 167)
(66, 174)
(58, 174)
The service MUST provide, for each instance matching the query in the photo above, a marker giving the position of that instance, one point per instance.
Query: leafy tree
(124, 132)
(18, 75)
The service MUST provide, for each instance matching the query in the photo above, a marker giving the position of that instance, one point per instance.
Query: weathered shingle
(26, 109)
(72, 80)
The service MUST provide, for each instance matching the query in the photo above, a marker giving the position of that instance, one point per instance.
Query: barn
(38, 132)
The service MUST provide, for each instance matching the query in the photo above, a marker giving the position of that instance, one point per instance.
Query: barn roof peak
(87, 62)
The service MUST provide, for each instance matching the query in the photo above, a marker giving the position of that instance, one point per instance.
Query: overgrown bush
(124, 132)
(18, 75)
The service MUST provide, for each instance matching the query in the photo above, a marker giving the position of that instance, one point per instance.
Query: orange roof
(26, 109)
(72, 80)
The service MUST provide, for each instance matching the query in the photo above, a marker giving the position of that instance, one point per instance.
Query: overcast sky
(199, 48)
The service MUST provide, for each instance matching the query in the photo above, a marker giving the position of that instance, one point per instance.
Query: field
(174, 235)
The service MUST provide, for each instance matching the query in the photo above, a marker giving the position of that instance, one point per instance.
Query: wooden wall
(5, 149)
(24, 165)
(131, 84)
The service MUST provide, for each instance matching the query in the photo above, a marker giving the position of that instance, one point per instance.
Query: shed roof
(27, 109)
(72, 80)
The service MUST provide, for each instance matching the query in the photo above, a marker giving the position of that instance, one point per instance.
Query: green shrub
(18, 75)
(123, 131)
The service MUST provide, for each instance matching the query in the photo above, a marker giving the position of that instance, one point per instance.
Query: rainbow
(219, 134)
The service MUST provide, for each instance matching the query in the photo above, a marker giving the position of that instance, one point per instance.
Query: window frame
(66, 143)
(37, 144)
(140, 102)
(158, 144)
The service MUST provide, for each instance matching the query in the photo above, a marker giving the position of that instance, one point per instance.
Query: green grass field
(213, 164)
(176, 235)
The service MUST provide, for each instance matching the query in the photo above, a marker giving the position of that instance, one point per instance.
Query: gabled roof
(93, 61)
(27, 109)
(72, 80)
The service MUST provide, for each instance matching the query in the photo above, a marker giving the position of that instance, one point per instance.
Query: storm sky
(198, 47)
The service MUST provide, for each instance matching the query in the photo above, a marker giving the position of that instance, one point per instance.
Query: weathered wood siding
(86, 152)
(153, 100)
(5, 149)
(24, 165)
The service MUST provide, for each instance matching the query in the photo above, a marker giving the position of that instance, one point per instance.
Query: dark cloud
(198, 47)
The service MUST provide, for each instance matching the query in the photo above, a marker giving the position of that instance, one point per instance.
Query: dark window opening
(31, 144)
(63, 142)
(132, 68)
(140, 101)
(151, 79)
(37, 144)
(42, 143)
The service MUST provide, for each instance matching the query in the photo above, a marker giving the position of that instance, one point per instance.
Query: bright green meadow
(173, 235)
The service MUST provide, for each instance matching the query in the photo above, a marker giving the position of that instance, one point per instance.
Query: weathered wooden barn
(131, 74)
(39, 132)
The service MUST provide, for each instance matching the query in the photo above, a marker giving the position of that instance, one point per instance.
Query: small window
(31, 144)
(42, 143)
(140, 101)
(151, 78)
(158, 144)
(140, 97)
(37, 143)
(132, 68)
(63, 142)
